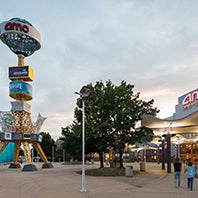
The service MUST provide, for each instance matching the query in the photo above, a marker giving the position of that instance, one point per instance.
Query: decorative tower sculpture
(22, 39)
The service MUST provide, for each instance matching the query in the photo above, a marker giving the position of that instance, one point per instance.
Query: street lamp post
(168, 140)
(63, 155)
(158, 154)
(177, 144)
(52, 153)
(83, 146)
(84, 93)
(177, 151)
(163, 160)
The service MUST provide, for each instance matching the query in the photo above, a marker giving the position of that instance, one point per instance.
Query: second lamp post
(84, 93)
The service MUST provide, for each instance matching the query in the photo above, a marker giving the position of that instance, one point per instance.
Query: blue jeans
(177, 176)
(190, 183)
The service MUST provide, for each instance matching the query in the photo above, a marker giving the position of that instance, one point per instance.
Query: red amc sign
(190, 98)
(16, 26)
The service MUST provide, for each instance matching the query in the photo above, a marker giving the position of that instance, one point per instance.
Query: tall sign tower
(23, 40)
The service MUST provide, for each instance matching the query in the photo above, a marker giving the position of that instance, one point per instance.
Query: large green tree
(127, 112)
(112, 113)
(99, 121)
(96, 138)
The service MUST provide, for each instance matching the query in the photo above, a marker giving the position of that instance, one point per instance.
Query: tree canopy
(112, 113)
(47, 144)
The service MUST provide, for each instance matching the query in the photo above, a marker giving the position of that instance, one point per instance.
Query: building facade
(182, 127)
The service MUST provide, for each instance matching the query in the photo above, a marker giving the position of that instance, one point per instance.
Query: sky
(151, 44)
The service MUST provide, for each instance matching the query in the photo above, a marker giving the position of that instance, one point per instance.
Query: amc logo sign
(190, 98)
(17, 27)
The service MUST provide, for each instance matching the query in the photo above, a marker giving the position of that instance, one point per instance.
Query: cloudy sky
(152, 44)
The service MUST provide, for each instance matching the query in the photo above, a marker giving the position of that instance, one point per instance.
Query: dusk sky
(152, 44)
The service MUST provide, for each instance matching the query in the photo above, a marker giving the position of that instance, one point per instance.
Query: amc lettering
(190, 98)
(16, 26)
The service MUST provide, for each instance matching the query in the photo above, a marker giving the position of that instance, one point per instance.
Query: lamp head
(85, 91)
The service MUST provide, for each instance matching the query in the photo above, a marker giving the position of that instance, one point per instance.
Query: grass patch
(106, 171)
(72, 163)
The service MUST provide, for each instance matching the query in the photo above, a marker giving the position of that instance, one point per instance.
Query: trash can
(111, 164)
(129, 171)
(142, 166)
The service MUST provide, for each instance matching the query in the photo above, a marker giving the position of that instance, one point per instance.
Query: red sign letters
(190, 98)
(16, 26)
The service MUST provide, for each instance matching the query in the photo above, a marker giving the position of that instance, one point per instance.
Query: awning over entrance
(188, 124)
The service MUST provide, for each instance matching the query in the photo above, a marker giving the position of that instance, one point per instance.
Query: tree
(72, 138)
(127, 112)
(98, 118)
(112, 113)
(47, 144)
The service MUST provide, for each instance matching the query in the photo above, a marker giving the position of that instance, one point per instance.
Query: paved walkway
(63, 182)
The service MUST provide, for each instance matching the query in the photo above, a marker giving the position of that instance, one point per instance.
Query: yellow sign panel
(24, 73)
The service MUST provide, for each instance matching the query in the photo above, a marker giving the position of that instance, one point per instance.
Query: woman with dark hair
(177, 172)
(190, 169)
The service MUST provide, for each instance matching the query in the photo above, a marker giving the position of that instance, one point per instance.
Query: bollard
(129, 171)
(142, 166)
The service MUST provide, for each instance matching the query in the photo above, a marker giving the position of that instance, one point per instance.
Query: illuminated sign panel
(17, 27)
(24, 73)
(189, 100)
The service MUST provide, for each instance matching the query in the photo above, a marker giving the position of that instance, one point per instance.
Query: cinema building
(181, 127)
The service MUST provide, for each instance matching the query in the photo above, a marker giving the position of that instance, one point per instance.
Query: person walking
(177, 173)
(190, 169)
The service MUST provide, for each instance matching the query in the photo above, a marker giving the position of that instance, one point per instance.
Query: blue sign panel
(20, 89)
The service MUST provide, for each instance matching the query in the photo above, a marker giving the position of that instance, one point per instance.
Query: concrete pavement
(63, 182)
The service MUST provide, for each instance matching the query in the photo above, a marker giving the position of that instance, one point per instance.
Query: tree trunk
(121, 160)
(101, 160)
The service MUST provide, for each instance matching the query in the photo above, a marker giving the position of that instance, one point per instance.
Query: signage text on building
(190, 98)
